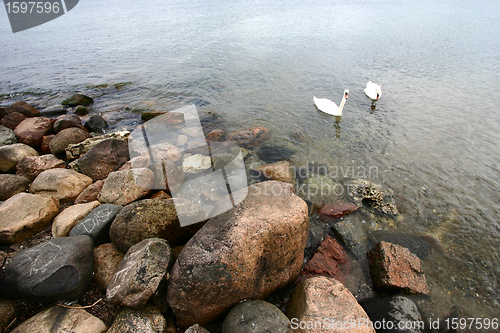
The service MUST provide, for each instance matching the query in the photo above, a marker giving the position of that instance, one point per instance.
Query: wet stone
(78, 99)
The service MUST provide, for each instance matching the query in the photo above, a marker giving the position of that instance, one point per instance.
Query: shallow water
(432, 137)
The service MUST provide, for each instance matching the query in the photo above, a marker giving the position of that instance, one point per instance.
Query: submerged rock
(351, 233)
(246, 252)
(373, 195)
(330, 212)
(78, 99)
(81, 110)
(271, 153)
(280, 171)
(250, 138)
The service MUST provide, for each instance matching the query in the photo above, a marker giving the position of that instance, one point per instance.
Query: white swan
(373, 90)
(328, 106)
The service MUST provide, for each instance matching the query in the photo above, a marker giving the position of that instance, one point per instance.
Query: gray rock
(67, 121)
(396, 309)
(139, 274)
(66, 137)
(11, 185)
(321, 190)
(97, 223)
(31, 166)
(126, 186)
(150, 218)
(60, 268)
(62, 184)
(54, 110)
(105, 157)
(418, 245)
(10, 155)
(96, 123)
(7, 136)
(145, 320)
(351, 233)
(256, 316)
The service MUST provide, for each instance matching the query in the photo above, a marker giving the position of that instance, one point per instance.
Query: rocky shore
(91, 239)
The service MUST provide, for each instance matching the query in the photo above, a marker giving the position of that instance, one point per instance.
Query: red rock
(32, 130)
(13, 119)
(395, 268)
(215, 135)
(280, 171)
(91, 193)
(330, 260)
(22, 107)
(45, 146)
(334, 211)
(32, 166)
(250, 138)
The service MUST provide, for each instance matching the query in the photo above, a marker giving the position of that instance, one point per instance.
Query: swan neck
(342, 103)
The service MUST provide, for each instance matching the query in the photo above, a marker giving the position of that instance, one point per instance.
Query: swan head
(346, 93)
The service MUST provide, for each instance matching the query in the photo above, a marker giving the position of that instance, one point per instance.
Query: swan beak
(378, 96)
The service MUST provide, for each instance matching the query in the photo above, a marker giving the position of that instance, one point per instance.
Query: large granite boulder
(246, 252)
(60, 268)
(139, 274)
(32, 130)
(103, 158)
(24, 215)
(31, 166)
(322, 304)
(12, 154)
(11, 185)
(62, 184)
(126, 186)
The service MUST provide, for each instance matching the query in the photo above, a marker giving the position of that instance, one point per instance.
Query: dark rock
(13, 119)
(7, 136)
(321, 190)
(250, 138)
(372, 195)
(330, 212)
(7, 313)
(45, 146)
(351, 233)
(11, 155)
(395, 268)
(91, 193)
(145, 320)
(102, 159)
(97, 223)
(60, 268)
(256, 316)
(96, 123)
(139, 274)
(330, 260)
(31, 166)
(247, 252)
(81, 110)
(396, 309)
(55, 110)
(66, 137)
(107, 258)
(270, 153)
(151, 218)
(11, 185)
(67, 121)
(22, 107)
(32, 130)
(78, 99)
(145, 116)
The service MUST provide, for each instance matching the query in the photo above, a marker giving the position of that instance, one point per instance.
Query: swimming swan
(373, 90)
(328, 106)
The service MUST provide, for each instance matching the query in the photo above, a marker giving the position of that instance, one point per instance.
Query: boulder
(24, 215)
(103, 158)
(54, 110)
(350, 231)
(62, 184)
(322, 304)
(7, 136)
(60, 319)
(145, 320)
(250, 138)
(66, 137)
(67, 121)
(373, 195)
(280, 171)
(124, 187)
(32, 130)
(22, 107)
(60, 268)
(81, 110)
(139, 274)
(77, 150)
(90, 193)
(330, 260)
(45, 146)
(330, 212)
(97, 223)
(12, 154)
(107, 258)
(13, 119)
(395, 268)
(69, 217)
(154, 218)
(78, 99)
(11, 185)
(401, 311)
(96, 123)
(31, 166)
(246, 252)
(321, 190)
(256, 316)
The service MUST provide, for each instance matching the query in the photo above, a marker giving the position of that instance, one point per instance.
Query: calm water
(433, 135)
